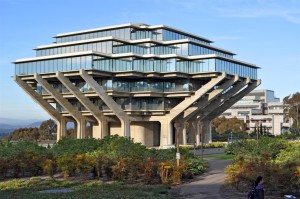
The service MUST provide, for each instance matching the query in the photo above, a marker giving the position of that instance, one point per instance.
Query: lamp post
(177, 126)
(201, 134)
(195, 137)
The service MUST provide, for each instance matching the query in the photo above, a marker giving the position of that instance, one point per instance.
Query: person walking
(259, 188)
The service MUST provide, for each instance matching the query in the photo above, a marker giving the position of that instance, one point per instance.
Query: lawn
(222, 156)
(88, 190)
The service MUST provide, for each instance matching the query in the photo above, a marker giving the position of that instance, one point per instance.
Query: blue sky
(262, 32)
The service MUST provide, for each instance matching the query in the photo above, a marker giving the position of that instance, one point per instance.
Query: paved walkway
(208, 185)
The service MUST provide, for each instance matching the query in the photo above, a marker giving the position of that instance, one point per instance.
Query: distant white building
(261, 109)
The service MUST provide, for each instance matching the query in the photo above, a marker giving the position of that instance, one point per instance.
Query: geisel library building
(135, 80)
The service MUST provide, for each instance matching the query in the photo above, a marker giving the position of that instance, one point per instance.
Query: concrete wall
(114, 128)
(147, 133)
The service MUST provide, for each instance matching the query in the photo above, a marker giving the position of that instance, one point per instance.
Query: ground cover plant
(20, 188)
(276, 159)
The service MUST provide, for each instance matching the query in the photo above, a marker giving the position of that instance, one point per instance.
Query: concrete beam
(227, 104)
(83, 100)
(65, 104)
(198, 94)
(38, 99)
(218, 102)
(116, 108)
(203, 102)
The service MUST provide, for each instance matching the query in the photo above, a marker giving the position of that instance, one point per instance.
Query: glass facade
(134, 63)
(129, 64)
(104, 47)
(170, 35)
(122, 33)
(137, 34)
(53, 65)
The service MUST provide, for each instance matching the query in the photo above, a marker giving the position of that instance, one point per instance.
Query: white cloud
(263, 8)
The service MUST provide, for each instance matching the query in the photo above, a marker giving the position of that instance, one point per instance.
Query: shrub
(165, 172)
(214, 145)
(84, 164)
(117, 147)
(67, 165)
(195, 166)
(251, 148)
(50, 167)
(150, 167)
(22, 158)
(120, 170)
(75, 146)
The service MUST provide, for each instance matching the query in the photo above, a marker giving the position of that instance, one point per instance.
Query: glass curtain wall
(103, 47)
(170, 35)
(122, 33)
(53, 65)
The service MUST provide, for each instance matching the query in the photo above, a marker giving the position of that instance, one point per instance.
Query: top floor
(136, 47)
(131, 32)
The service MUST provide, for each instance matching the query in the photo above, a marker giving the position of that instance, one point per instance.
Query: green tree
(223, 125)
(29, 134)
(48, 130)
(293, 110)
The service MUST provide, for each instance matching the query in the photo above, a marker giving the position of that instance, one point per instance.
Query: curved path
(208, 185)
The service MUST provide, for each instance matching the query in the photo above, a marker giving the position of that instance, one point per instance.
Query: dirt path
(208, 185)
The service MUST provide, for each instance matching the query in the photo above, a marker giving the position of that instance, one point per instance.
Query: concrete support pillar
(143, 132)
(100, 130)
(165, 133)
(97, 131)
(191, 135)
(61, 128)
(206, 130)
(198, 129)
(104, 128)
(125, 128)
(184, 135)
(80, 128)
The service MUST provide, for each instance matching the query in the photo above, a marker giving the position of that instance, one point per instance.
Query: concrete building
(261, 109)
(135, 80)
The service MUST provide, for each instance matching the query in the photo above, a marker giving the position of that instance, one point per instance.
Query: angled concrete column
(38, 99)
(85, 102)
(64, 103)
(116, 108)
(219, 101)
(198, 94)
(191, 111)
(227, 104)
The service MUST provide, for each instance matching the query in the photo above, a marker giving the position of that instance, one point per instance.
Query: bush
(21, 159)
(67, 165)
(275, 159)
(195, 166)
(75, 146)
(251, 148)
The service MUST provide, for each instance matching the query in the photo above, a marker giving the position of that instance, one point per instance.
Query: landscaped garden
(276, 159)
(91, 168)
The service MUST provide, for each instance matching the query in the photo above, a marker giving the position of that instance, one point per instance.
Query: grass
(222, 156)
(89, 190)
